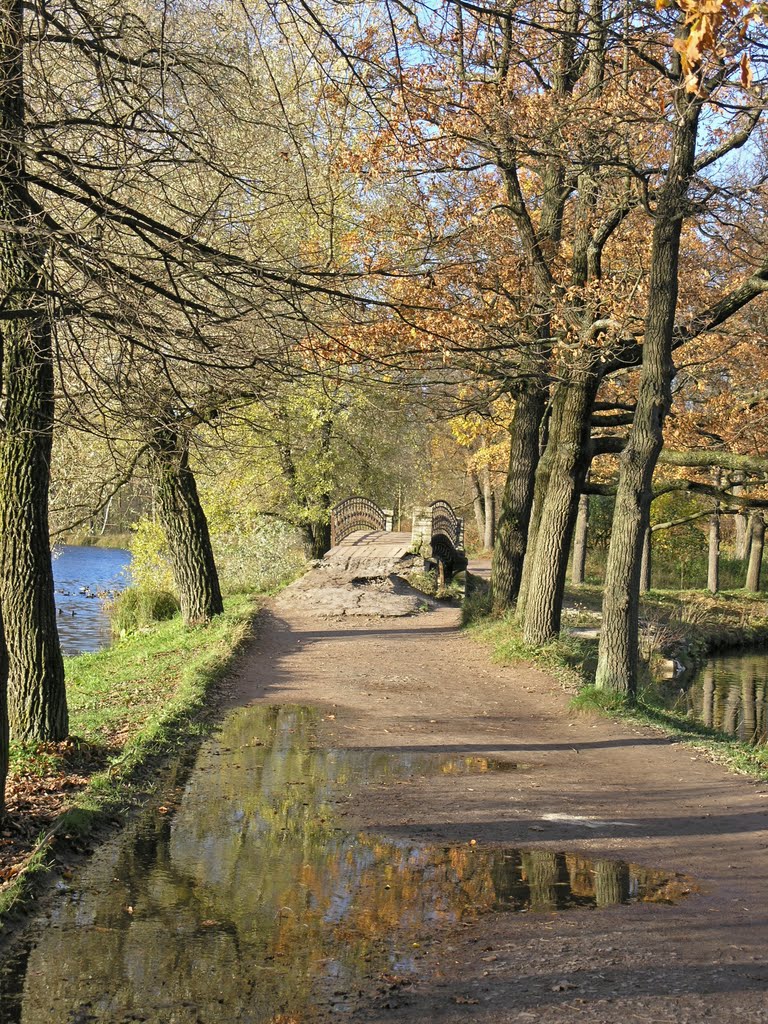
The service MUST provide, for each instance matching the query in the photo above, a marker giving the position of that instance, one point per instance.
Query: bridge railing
(438, 520)
(446, 523)
(358, 513)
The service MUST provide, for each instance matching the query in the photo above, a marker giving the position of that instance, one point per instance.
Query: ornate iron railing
(357, 514)
(445, 523)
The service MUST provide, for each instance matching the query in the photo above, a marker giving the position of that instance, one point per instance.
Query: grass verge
(744, 758)
(130, 706)
(570, 658)
(572, 661)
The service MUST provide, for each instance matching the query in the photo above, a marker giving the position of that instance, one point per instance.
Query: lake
(729, 692)
(82, 578)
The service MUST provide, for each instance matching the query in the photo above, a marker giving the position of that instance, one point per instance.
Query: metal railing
(445, 523)
(357, 513)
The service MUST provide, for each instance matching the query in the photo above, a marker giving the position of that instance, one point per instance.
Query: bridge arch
(446, 540)
(357, 513)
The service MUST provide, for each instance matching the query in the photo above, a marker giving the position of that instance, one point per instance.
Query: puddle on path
(247, 902)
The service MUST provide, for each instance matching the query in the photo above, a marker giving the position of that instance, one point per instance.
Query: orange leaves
(746, 71)
(713, 27)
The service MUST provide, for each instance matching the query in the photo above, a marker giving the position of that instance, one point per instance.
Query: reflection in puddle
(370, 766)
(729, 693)
(248, 902)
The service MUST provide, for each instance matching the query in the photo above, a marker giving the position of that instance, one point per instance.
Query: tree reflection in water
(729, 693)
(250, 903)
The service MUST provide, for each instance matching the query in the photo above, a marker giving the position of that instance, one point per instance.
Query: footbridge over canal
(362, 535)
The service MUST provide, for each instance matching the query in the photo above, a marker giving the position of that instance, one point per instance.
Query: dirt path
(419, 684)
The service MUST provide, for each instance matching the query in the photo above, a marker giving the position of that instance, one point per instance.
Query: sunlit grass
(572, 661)
(132, 705)
(126, 696)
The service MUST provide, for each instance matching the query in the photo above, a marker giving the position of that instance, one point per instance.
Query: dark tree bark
(757, 523)
(580, 535)
(565, 464)
(320, 534)
(540, 486)
(517, 499)
(185, 525)
(617, 659)
(37, 706)
(3, 719)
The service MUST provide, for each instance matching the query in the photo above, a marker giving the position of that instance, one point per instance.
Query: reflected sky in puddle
(245, 900)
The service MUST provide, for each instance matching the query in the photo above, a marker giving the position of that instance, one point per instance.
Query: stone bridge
(365, 572)
(362, 537)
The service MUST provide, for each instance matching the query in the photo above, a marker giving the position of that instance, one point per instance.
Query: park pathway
(586, 785)
(388, 827)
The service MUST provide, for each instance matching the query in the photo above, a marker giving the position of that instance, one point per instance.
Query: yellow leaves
(711, 25)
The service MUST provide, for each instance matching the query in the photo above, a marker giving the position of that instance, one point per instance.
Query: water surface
(729, 692)
(243, 897)
(83, 578)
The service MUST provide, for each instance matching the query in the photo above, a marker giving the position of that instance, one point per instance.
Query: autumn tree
(129, 218)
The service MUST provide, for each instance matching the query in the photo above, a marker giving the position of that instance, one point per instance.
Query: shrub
(138, 607)
(262, 557)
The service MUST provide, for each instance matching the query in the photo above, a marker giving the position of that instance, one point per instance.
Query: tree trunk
(489, 506)
(3, 719)
(321, 539)
(747, 541)
(515, 514)
(713, 567)
(646, 561)
(580, 535)
(541, 485)
(185, 525)
(567, 462)
(37, 706)
(757, 524)
(739, 521)
(617, 658)
(478, 506)
(713, 561)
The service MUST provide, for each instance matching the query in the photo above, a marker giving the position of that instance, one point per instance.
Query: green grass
(134, 704)
(568, 657)
(744, 758)
(137, 607)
